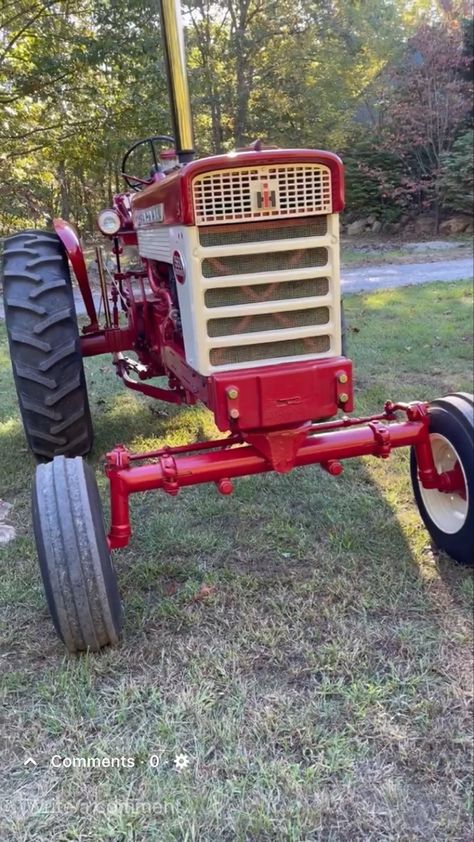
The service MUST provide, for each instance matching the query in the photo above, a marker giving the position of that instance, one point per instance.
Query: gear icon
(181, 762)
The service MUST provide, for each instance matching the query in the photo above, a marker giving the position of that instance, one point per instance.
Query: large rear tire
(449, 518)
(44, 345)
(78, 576)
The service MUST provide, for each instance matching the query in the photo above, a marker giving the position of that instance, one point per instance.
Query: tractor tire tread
(25, 304)
(21, 276)
(40, 261)
(44, 345)
(78, 575)
(39, 408)
(459, 404)
(63, 392)
(53, 319)
(61, 353)
(48, 287)
(27, 339)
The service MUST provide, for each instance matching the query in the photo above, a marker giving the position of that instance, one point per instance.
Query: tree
(79, 82)
(456, 180)
(427, 98)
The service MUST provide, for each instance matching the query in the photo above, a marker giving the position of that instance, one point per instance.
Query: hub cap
(447, 511)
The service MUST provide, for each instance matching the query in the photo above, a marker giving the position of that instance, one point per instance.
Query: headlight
(108, 221)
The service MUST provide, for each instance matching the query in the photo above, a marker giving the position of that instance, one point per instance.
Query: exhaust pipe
(173, 40)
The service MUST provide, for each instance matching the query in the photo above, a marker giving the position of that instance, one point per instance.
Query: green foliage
(79, 83)
(457, 175)
(426, 100)
(371, 176)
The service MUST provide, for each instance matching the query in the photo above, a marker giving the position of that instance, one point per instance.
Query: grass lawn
(321, 691)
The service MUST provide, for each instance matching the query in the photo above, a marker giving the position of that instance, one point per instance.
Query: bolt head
(342, 377)
(343, 398)
(234, 413)
(225, 486)
(232, 393)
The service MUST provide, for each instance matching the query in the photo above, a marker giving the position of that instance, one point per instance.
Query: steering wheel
(133, 181)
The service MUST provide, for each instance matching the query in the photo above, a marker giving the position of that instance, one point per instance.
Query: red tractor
(237, 304)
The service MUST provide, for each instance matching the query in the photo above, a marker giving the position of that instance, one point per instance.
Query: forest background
(387, 84)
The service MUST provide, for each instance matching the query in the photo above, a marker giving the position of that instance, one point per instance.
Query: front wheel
(449, 517)
(76, 567)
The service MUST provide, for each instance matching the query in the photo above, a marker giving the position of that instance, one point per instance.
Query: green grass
(321, 692)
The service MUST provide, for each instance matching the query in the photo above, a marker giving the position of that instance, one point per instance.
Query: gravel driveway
(389, 275)
(372, 277)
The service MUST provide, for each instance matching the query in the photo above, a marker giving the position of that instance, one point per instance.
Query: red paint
(171, 470)
(72, 244)
(107, 342)
(269, 410)
(225, 487)
(175, 192)
(266, 196)
(453, 482)
(281, 395)
(333, 467)
(176, 365)
(272, 396)
(168, 395)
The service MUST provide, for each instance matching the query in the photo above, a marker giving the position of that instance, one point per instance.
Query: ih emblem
(265, 195)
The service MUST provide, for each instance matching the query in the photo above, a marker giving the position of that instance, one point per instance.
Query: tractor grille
(264, 232)
(277, 261)
(287, 315)
(268, 321)
(312, 345)
(233, 296)
(251, 193)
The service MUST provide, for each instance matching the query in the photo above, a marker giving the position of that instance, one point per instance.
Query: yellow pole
(177, 78)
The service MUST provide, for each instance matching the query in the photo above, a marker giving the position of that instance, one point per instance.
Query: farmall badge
(148, 216)
(265, 194)
(179, 267)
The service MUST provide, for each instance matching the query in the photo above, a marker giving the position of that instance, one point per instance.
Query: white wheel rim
(447, 511)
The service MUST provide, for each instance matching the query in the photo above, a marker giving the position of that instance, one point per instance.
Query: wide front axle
(222, 460)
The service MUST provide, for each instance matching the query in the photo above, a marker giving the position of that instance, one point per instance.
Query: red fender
(72, 244)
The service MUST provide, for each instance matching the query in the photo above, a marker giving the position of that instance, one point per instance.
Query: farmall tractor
(237, 304)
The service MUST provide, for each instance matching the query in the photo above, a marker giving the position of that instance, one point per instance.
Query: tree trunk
(437, 214)
(216, 123)
(241, 109)
(65, 208)
(109, 181)
(243, 73)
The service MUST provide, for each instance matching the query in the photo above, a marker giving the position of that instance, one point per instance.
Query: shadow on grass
(141, 423)
(325, 658)
(304, 524)
(300, 525)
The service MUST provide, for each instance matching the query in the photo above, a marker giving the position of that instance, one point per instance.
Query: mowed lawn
(322, 688)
